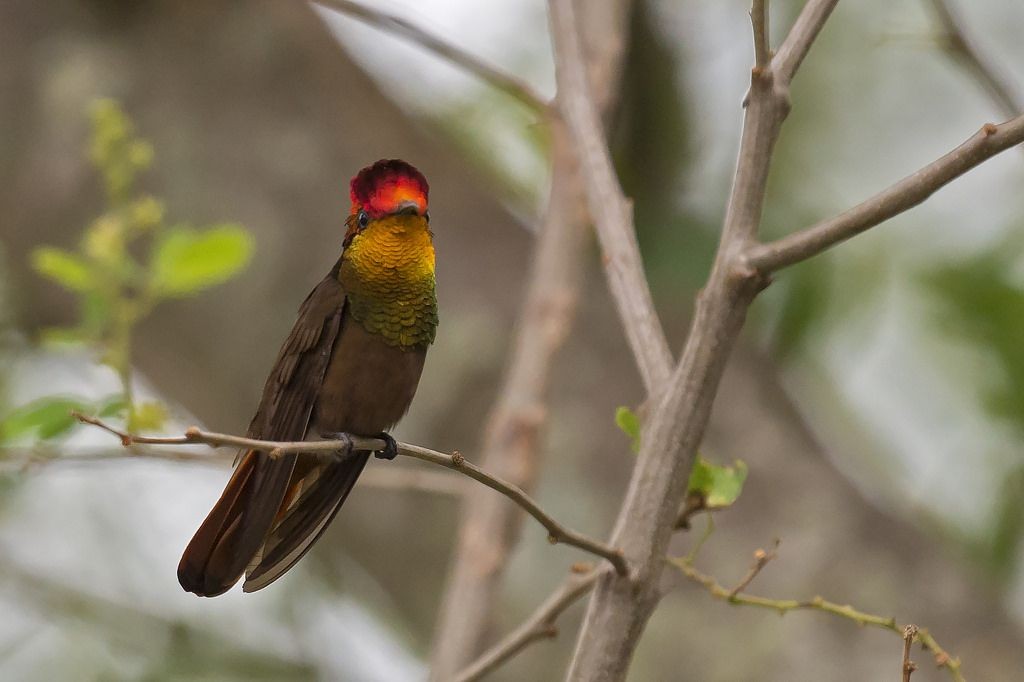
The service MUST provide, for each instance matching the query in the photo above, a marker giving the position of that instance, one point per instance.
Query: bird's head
(390, 192)
(388, 237)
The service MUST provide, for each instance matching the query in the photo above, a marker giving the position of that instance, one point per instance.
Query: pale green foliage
(115, 289)
(627, 420)
(188, 260)
(718, 486)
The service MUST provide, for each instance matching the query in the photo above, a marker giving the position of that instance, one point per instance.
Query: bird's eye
(426, 216)
(363, 219)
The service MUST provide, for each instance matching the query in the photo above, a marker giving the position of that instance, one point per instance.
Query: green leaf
(148, 416)
(186, 261)
(718, 486)
(46, 418)
(627, 420)
(63, 267)
(113, 406)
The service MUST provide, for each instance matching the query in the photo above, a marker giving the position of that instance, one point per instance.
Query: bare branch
(905, 194)
(540, 625)
(909, 632)
(27, 459)
(610, 210)
(761, 559)
(966, 51)
(402, 27)
(392, 478)
(759, 21)
(943, 658)
(489, 529)
(557, 533)
(619, 608)
(803, 34)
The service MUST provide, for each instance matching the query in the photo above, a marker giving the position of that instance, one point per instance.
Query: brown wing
(236, 528)
(322, 491)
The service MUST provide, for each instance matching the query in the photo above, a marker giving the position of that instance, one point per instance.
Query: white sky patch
(509, 34)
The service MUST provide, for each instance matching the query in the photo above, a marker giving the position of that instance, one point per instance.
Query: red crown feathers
(381, 188)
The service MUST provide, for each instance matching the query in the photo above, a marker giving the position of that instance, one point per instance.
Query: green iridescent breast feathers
(387, 271)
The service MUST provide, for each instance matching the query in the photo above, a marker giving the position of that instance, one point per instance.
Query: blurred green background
(877, 395)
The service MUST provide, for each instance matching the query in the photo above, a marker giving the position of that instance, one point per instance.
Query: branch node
(192, 433)
(275, 453)
(458, 459)
(553, 539)
(761, 559)
(989, 129)
(742, 271)
(909, 633)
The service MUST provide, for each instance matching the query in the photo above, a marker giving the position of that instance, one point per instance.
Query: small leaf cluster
(711, 486)
(128, 260)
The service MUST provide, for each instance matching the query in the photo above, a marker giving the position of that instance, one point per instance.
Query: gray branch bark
(489, 530)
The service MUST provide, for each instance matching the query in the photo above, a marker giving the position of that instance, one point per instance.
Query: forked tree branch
(402, 27)
(557, 533)
(619, 608)
(540, 625)
(902, 196)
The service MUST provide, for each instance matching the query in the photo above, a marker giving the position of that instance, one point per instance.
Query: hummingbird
(350, 365)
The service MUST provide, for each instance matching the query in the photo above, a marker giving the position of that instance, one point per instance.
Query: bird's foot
(345, 441)
(390, 450)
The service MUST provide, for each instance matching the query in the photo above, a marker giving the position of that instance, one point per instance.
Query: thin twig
(803, 34)
(943, 658)
(402, 27)
(540, 625)
(17, 460)
(909, 632)
(610, 210)
(26, 459)
(963, 48)
(990, 140)
(759, 21)
(694, 504)
(557, 533)
(761, 559)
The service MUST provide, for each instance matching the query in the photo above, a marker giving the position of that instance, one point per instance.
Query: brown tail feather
(237, 526)
(306, 520)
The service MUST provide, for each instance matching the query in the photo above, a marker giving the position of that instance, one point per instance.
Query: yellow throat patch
(387, 271)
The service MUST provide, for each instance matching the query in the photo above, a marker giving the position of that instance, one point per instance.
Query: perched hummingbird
(350, 366)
